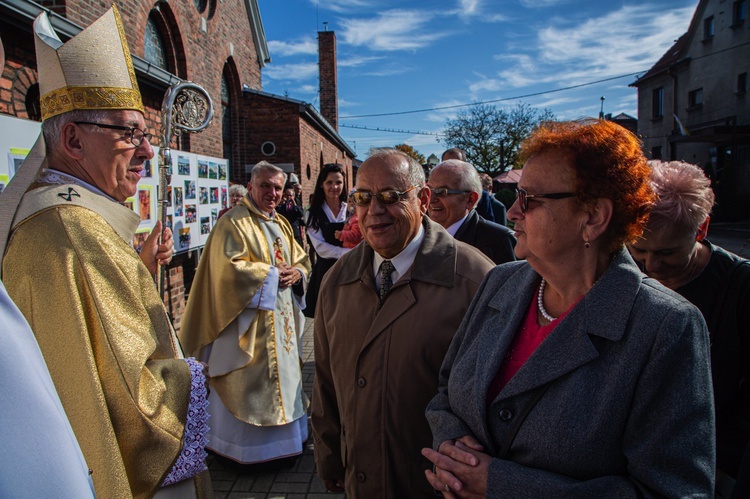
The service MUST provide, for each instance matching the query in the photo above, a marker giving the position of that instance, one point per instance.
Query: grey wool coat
(629, 408)
(376, 368)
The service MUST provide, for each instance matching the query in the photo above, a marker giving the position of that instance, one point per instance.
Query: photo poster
(187, 209)
(139, 238)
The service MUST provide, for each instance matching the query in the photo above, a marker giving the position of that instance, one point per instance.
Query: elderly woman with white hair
(236, 193)
(674, 250)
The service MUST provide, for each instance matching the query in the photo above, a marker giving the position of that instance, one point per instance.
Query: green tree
(410, 151)
(491, 137)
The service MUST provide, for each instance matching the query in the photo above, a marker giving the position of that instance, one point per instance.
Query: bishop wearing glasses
(136, 406)
(385, 317)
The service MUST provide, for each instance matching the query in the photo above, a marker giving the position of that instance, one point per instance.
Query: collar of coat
(434, 263)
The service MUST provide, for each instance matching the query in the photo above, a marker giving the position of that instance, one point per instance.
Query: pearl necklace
(540, 302)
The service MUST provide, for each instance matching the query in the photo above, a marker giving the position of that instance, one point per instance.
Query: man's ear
(71, 141)
(703, 229)
(424, 197)
(473, 197)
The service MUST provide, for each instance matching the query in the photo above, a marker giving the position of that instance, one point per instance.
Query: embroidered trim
(71, 98)
(192, 458)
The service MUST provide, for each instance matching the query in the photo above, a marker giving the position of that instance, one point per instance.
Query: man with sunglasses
(456, 187)
(136, 406)
(387, 312)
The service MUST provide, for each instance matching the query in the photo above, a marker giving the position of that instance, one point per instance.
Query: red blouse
(527, 339)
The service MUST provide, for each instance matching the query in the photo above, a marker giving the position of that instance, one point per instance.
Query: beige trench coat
(377, 368)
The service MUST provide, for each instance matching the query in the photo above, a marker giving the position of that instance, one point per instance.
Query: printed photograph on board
(191, 214)
(178, 210)
(213, 170)
(203, 195)
(214, 216)
(223, 196)
(139, 238)
(205, 225)
(144, 202)
(183, 165)
(202, 168)
(214, 195)
(222, 171)
(183, 238)
(190, 189)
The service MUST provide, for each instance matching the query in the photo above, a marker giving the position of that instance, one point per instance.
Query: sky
(439, 56)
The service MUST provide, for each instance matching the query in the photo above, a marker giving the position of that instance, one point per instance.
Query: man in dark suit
(456, 188)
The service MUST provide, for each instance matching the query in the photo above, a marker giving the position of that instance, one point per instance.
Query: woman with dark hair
(326, 216)
(573, 374)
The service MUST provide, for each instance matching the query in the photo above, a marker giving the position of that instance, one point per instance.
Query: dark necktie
(385, 282)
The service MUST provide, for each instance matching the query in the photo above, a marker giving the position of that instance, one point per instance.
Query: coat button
(361, 477)
(361, 382)
(505, 415)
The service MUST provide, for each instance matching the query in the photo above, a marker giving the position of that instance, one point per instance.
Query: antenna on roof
(325, 25)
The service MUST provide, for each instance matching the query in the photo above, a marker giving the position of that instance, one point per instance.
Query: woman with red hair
(573, 374)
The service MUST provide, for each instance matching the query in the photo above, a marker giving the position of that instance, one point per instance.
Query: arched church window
(154, 45)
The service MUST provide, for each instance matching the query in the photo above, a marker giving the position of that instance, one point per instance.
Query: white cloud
(356, 61)
(539, 4)
(392, 30)
(292, 72)
(306, 46)
(308, 89)
(341, 6)
(627, 40)
(475, 10)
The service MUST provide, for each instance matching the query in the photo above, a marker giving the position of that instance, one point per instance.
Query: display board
(196, 194)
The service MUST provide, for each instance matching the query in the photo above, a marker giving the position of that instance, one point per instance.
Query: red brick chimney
(329, 93)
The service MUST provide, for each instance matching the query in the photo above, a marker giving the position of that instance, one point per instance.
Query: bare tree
(490, 137)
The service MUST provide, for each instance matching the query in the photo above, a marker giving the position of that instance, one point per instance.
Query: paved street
(294, 478)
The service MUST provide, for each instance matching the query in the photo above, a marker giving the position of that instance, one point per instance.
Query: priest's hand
(155, 253)
(288, 275)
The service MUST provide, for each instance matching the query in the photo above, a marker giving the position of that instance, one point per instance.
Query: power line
(535, 94)
(492, 101)
(394, 130)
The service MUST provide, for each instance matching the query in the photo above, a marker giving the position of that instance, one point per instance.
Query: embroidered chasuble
(246, 327)
(93, 306)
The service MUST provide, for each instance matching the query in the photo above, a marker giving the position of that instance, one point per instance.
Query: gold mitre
(92, 70)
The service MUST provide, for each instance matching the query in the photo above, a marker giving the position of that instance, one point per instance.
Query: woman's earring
(587, 244)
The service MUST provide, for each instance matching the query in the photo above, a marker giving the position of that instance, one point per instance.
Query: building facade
(693, 104)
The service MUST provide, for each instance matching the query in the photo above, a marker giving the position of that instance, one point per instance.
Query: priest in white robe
(243, 318)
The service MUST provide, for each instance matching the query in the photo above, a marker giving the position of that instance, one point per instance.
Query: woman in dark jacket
(573, 374)
(327, 215)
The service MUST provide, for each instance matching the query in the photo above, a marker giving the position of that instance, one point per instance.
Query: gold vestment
(106, 339)
(233, 267)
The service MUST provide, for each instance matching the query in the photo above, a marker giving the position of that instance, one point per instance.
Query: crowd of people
(597, 349)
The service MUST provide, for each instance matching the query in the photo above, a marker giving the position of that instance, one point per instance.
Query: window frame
(657, 103)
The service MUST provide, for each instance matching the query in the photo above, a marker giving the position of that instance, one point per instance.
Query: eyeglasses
(136, 135)
(523, 197)
(364, 198)
(442, 192)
